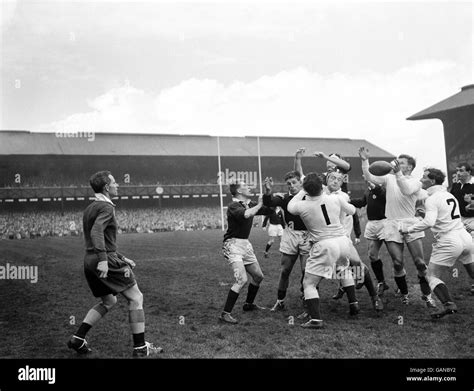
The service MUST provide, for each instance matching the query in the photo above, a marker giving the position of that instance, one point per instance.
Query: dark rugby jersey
(374, 199)
(100, 229)
(238, 226)
(459, 191)
(290, 219)
(275, 219)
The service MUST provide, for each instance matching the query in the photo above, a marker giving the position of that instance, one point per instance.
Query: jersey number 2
(453, 215)
(325, 213)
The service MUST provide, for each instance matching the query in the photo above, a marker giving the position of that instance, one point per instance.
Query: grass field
(185, 281)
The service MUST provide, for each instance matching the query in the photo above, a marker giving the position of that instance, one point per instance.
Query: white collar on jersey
(102, 197)
(434, 189)
(242, 202)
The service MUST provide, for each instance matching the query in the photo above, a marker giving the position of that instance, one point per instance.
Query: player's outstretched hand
(300, 153)
(103, 269)
(131, 263)
(268, 184)
(396, 166)
(467, 197)
(320, 154)
(356, 241)
(364, 153)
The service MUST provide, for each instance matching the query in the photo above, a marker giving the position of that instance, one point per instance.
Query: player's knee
(137, 299)
(109, 302)
(398, 267)
(258, 278)
(240, 280)
(285, 272)
(373, 256)
(420, 265)
(397, 262)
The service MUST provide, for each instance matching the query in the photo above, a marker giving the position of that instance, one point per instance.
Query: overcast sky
(335, 69)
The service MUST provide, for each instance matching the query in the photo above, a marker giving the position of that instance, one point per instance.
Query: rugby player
(275, 228)
(334, 183)
(108, 272)
(463, 191)
(294, 242)
(402, 193)
(453, 242)
(374, 201)
(330, 245)
(238, 250)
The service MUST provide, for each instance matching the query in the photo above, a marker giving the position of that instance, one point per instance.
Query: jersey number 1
(453, 201)
(325, 213)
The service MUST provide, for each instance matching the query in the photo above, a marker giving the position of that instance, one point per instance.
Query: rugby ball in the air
(380, 167)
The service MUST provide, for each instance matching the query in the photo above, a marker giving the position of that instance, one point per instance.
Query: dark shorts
(120, 276)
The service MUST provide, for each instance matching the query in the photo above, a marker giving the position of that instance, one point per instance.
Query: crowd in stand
(17, 225)
(58, 181)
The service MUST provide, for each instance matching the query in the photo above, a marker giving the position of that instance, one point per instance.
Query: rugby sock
(267, 247)
(251, 293)
(138, 340)
(230, 302)
(377, 267)
(312, 305)
(281, 294)
(351, 294)
(441, 291)
(424, 286)
(83, 330)
(137, 325)
(93, 316)
(369, 284)
(402, 284)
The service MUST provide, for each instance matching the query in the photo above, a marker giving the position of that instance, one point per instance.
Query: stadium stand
(31, 225)
(47, 165)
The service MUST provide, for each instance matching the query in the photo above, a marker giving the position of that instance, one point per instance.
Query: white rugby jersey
(321, 215)
(402, 192)
(346, 219)
(442, 212)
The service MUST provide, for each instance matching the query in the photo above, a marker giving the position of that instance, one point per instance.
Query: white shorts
(275, 230)
(295, 242)
(238, 250)
(391, 231)
(453, 246)
(328, 256)
(374, 230)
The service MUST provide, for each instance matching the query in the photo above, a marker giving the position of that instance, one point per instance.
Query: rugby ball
(380, 167)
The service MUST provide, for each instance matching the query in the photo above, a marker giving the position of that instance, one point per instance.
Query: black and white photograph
(254, 183)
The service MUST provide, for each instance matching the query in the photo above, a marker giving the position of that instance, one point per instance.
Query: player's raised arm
(269, 199)
(251, 212)
(364, 156)
(342, 164)
(298, 166)
(294, 204)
